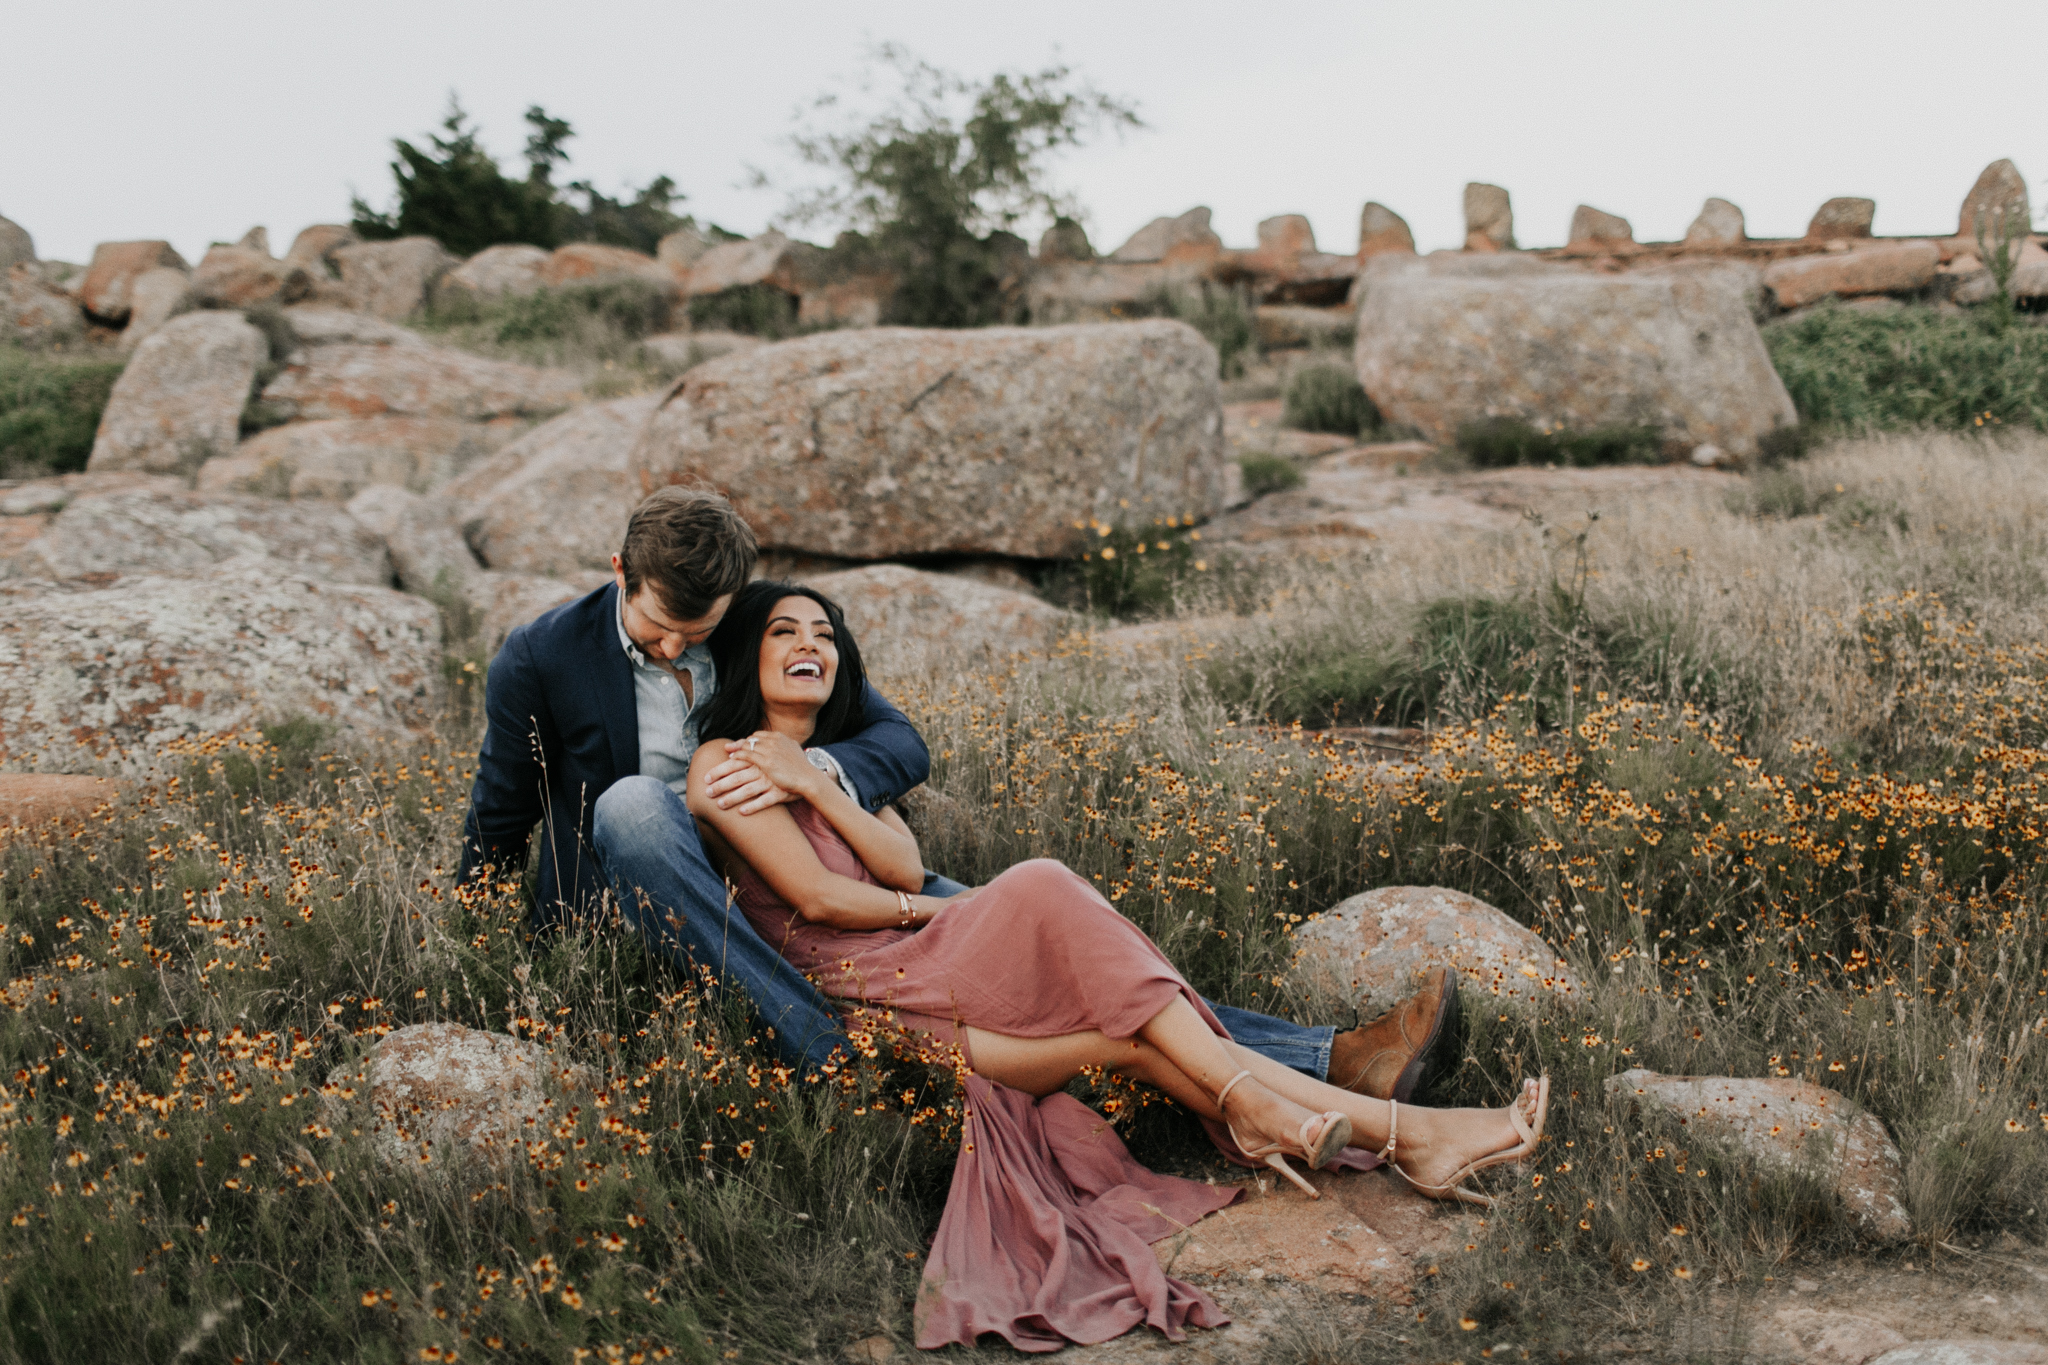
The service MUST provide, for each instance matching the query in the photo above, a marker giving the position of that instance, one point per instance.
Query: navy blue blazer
(561, 728)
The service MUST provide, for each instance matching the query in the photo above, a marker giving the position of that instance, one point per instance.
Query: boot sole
(1411, 1074)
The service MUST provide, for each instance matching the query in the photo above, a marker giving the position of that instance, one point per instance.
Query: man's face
(650, 626)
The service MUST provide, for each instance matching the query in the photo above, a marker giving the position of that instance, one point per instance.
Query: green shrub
(759, 310)
(1325, 398)
(1498, 442)
(1138, 571)
(1267, 473)
(50, 407)
(1911, 367)
(594, 324)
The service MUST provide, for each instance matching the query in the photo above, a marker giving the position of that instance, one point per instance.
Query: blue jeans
(648, 848)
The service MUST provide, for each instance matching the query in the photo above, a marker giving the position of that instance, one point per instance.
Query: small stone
(871, 1350)
(1719, 224)
(1886, 268)
(1187, 237)
(1998, 197)
(1965, 1353)
(1841, 218)
(1065, 240)
(1489, 218)
(1806, 1286)
(1709, 456)
(16, 246)
(1592, 227)
(1828, 1338)
(1381, 230)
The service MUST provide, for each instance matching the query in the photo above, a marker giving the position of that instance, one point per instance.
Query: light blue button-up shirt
(668, 719)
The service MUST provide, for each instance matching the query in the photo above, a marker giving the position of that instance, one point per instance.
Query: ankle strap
(1229, 1086)
(1386, 1153)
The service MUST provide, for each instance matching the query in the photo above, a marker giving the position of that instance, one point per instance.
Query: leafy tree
(455, 192)
(934, 183)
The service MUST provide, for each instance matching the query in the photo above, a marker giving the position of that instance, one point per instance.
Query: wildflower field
(1763, 759)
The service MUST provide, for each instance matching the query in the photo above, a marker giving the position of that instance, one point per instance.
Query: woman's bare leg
(1179, 1053)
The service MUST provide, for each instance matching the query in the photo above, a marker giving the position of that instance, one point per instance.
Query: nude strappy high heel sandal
(1331, 1139)
(1454, 1188)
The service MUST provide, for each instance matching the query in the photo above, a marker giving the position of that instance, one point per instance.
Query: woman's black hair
(737, 708)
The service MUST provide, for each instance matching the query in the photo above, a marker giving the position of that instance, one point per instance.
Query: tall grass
(1912, 367)
(1766, 775)
(595, 329)
(50, 405)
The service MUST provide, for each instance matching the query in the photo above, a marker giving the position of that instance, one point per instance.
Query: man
(591, 717)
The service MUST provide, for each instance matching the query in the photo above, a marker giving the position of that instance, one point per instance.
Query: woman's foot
(1435, 1149)
(1268, 1126)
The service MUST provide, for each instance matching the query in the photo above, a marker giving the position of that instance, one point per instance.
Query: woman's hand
(764, 769)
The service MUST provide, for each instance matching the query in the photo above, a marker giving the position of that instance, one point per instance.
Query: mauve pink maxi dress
(1046, 1235)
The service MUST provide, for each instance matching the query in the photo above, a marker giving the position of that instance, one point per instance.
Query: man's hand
(760, 771)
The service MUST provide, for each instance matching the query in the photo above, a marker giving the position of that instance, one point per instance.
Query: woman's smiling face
(799, 658)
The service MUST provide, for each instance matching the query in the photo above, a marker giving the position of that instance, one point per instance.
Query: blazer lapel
(614, 682)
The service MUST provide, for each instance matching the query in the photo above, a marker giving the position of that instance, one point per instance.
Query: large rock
(1719, 224)
(1186, 238)
(1381, 230)
(1003, 441)
(317, 324)
(1998, 197)
(34, 314)
(435, 1094)
(1065, 240)
(95, 673)
(340, 456)
(241, 276)
(678, 251)
(1439, 347)
(313, 249)
(31, 800)
(1785, 1125)
(390, 279)
(563, 493)
(596, 263)
(1842, 218)
(509, 600)
(1489, 218)
(154, 299)
(16, 246)
(681, 350)
(179, 403)
(355, 380)
(115, 265)
(496, 272)
(1097, 291)
(426, 551)
(904, 617)
(146, 530)
(1592, 227)
(770, 259)
(1886, 268)
(1368, 950)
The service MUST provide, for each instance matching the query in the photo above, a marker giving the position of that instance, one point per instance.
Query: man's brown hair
(691, 546)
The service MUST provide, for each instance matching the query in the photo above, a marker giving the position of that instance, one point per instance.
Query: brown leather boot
(1383, 1060)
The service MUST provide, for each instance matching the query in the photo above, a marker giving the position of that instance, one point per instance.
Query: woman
(1033, 978)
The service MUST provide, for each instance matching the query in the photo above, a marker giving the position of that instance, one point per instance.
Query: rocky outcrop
(1185, 238)
(510, 600)
(589, 263)
(1381, 230)
(1719, 224)
(680, 250)
(1367, 951)
(1442, 343)
(904, 618)
(1999, 198)
(389, 279)
(34, 314)
(1489, 218)
(496, 272)
(1788, 1126)
(1881, 268)
(1002, 441)
(354, 380)
(313, 249)
(559, 497)
(16, 246)
(426, 552)
(154, 299)
(147, 530)
(681, 350)
(241, 276)
(180, 401)
(338, 457)
(317, 324)
(114, 268)
(770, 259)
(437, 1094)
(1842, 218)
(1593, 227)
(105, 673)
(1097, 291)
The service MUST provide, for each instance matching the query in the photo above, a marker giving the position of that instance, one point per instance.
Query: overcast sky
(128, 119)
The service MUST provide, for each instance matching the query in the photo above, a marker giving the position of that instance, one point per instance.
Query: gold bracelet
(903, 899)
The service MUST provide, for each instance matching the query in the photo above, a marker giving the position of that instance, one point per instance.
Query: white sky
(136, 118)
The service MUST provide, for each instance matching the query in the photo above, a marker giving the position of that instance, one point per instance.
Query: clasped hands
(764, 769)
